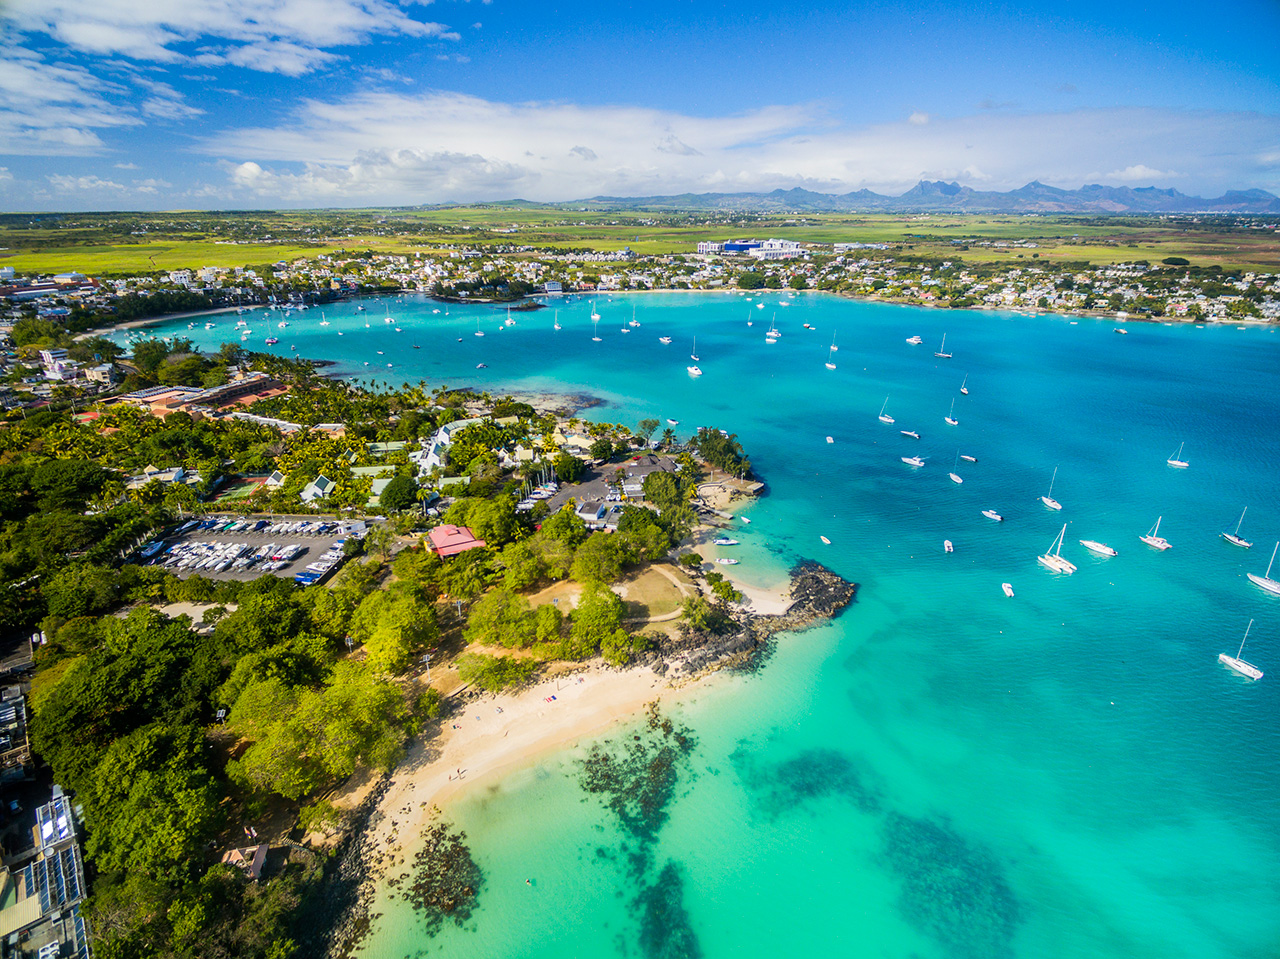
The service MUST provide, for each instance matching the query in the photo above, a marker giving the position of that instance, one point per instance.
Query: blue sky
(174, 104)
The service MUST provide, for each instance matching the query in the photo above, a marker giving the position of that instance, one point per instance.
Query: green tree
(798, 282)
(598, 613)
(400, 493)
(646, 428)
(599, 560)
(569, 468)
(500, 618)
(750, 280)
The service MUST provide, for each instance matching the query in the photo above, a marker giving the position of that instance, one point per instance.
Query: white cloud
(125, 166)
(150, 186)
(49, 109)
(394, 148)
(1139, 173)
(918, 119)
(283, 37)
(67, 184)
(5, 175)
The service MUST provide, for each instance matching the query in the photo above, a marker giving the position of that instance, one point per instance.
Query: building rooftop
(449, 540)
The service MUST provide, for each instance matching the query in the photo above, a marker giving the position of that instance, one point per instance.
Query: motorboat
(912, 433)
(913, 461)
(947, 547)
(694, 371)
(1239, 665)
(1153, 537)
(1008, 589)
(992, 514)
(968, 459)
(914, 340)
(726, 541)
(1102, 549)
(664, 340)
(726, 561)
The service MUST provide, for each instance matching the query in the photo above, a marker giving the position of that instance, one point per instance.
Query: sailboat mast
(1273, 559)
(1246, 636)
(1241, 519)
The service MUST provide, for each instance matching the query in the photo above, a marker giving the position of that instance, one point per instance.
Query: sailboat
(1235, 538)
(594, 314)
(694, 354)
(1048, 500)
(1176, 459)
(634, 322)
(964, 387)
(478, 332)
(942, 350)
(1153, 537)
(323, 321)
(834, 348)
(955, 477)
(1052, 560)
(885, 417)
(951, 417)
(1266, 582)
(557, 323)
(830, 364)
(595, 327)
(1238, 664)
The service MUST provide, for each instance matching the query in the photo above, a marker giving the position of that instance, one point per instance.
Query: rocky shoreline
(817, 594)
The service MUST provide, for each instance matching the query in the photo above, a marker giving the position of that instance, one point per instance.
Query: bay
(942, 771)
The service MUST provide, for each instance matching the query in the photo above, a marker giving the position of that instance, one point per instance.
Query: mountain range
(942, 197)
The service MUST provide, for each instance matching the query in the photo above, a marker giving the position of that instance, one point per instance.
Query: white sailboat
(1266, 582)
(942, 350)
(885, 417)
(594, 314)
(694, 354)
(1176, 459)
(830, 364)
(1052, 560)
(1235, 538)
(951, 417)
(478, 331)
(1048, 500)
(1154, 539)
(964, 385)
(634, 322)
(955, 477)
(834, 348)
(1238, 664)
(595, 327)
(557, 323)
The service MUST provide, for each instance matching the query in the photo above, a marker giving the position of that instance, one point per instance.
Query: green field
(132, 243)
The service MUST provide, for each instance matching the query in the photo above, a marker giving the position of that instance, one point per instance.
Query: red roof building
(451, 540)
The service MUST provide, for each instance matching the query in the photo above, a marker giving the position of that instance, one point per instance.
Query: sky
(244, 104)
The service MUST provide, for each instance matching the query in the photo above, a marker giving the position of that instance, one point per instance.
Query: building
(740, 246)
(15, 748)
(318, 488)
(776, 250)
(248, 859)
(449, 540)
(706, 246)
(40, 914)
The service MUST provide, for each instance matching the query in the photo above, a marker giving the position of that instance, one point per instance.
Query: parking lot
(244, 548)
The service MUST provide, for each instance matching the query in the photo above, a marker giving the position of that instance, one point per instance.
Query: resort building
(449, 540)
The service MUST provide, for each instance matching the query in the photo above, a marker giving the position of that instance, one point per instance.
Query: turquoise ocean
(942, 771)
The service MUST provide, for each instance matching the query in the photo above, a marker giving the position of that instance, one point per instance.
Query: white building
(776, 250)
(706, 246)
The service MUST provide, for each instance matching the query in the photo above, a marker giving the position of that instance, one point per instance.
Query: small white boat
(664, 340)
(913, 461)
(1052, 560)
(1153, 537)
(694, 371)
(912, 433)
(830, 440)
(479, 366)
(1238, 664)
(1265, 581)
(726, 561)
(1122, 331)
(1176, 460)
(942, 350)
(726, 541)
(914, 340)
(947, 547)
(964, 385)
(672, 422)
(885, 417)
(478, 332)
(1008, 589)
(992, 514)
(1102, 549)
(1048, 499)
(825, 540)
(747, 521)
(968, 459)
(1235, 538)
(951, 417)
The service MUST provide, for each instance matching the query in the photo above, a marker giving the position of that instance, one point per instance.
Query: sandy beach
(496, 734)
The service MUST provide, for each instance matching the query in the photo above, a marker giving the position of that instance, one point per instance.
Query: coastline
(489, 736)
